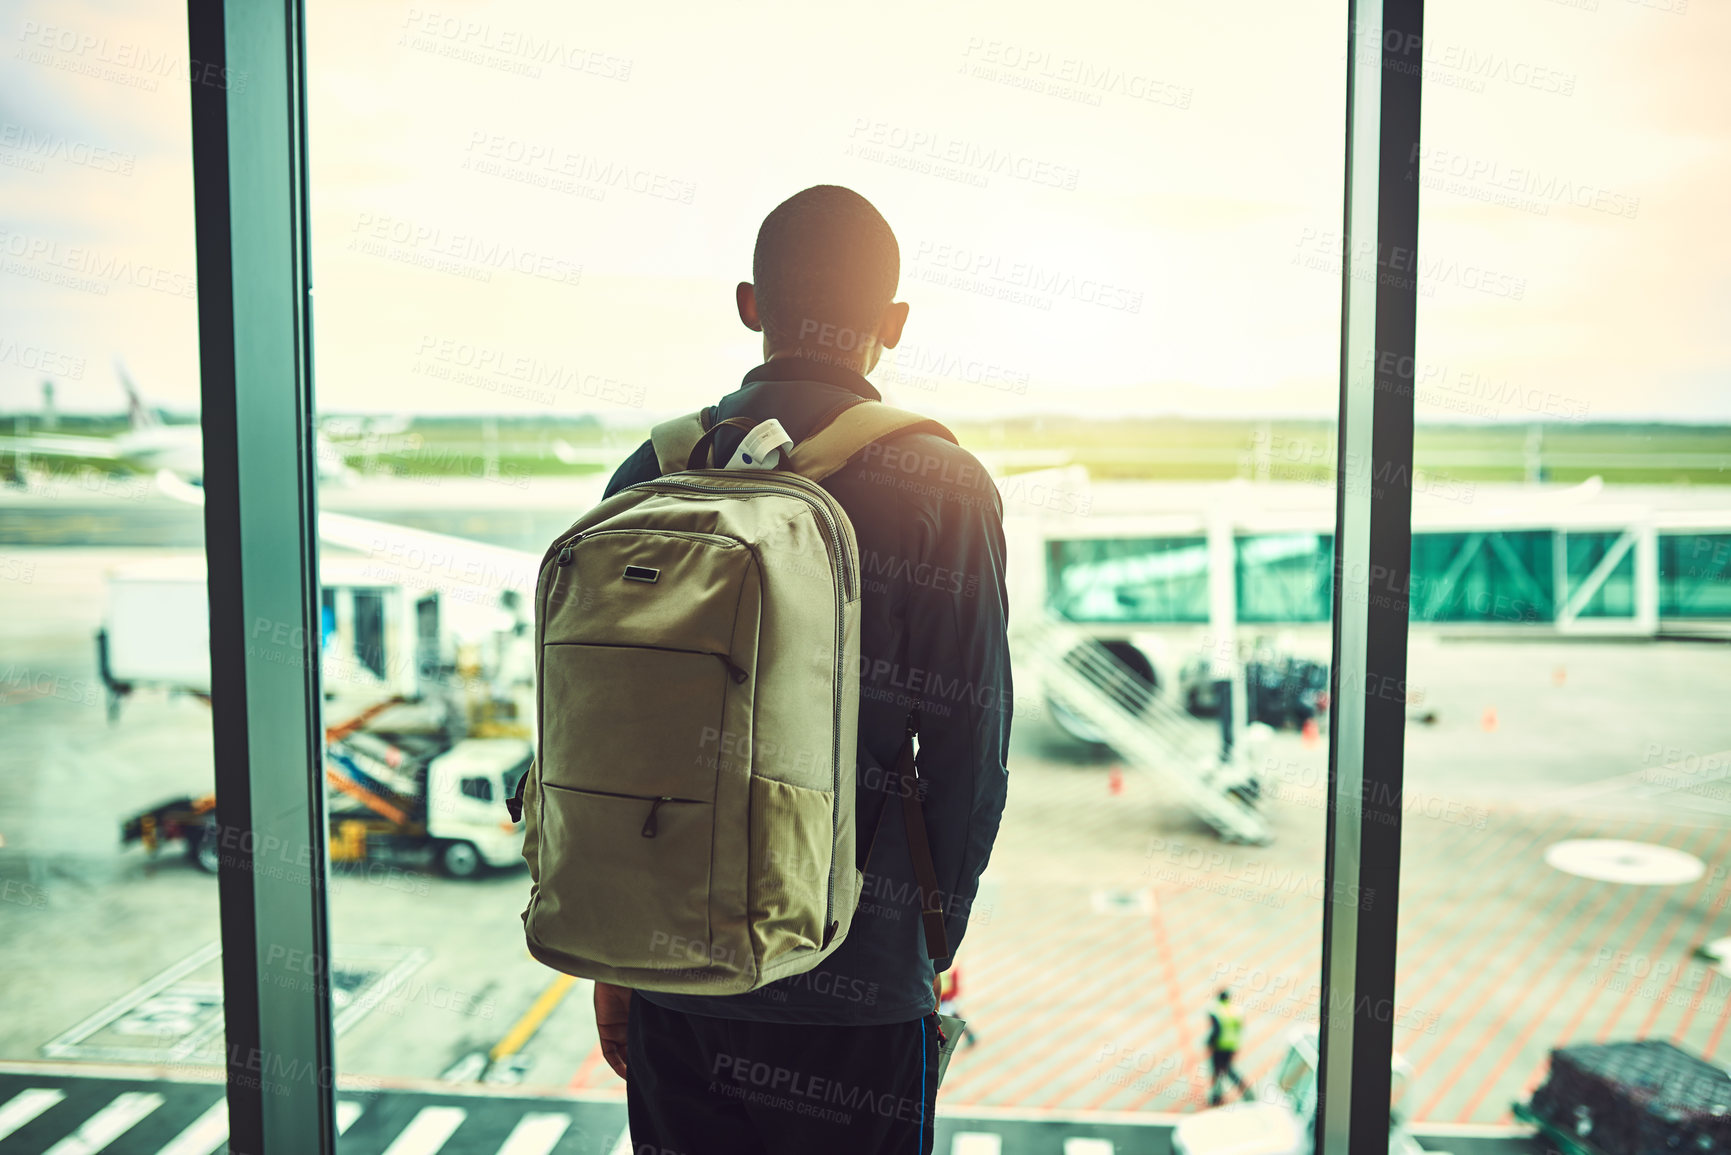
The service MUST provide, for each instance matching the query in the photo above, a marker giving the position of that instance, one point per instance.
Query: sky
(531, 207)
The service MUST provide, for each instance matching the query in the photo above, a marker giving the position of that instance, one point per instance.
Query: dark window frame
(255, 343)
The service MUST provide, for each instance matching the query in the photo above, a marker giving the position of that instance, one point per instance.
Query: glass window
(1128, 580)
(1286, 577)
(527, 233)
(1694, 575)
(112, 1031)
(1564, 844)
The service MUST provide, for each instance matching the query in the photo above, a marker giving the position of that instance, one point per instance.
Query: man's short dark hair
(824, 257)
(1224, 994)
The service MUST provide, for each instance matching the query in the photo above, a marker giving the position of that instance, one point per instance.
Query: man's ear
(746, 297)
(890, 326)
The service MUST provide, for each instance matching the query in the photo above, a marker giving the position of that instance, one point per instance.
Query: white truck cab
(1283, 1125)
(466, 790)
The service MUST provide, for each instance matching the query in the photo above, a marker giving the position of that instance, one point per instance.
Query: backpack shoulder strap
(673, 439)
(850, 431)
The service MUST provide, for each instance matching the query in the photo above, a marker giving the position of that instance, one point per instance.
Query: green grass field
(1170, 449)
(1184, 449)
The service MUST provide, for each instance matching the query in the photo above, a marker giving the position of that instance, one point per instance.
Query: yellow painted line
(524, 1028)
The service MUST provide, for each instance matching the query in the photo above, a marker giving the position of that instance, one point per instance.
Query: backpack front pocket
(625, 880)
(635, 720)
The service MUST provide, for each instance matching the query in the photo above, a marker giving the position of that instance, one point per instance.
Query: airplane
(150, 446)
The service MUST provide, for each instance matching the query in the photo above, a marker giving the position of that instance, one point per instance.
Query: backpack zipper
(739, 675)
(837, 540)
(842, 564)
(650, 829)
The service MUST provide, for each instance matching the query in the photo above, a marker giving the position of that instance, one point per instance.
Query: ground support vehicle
(408, 798)
(1284, 1124)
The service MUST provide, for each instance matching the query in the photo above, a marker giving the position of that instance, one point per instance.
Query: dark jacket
(933, 616)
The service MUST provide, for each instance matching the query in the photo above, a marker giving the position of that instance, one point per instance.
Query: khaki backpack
(689, 816)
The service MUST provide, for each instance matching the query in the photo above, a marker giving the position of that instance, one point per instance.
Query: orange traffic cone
(1490, 719)
(1115, 781)
(1310, 735)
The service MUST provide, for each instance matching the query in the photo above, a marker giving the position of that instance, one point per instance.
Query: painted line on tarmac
(524, 1028)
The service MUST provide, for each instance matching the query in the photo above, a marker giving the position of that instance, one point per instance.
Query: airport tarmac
(1107, 918)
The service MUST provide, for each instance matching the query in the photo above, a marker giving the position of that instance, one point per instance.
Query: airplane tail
(137, 412)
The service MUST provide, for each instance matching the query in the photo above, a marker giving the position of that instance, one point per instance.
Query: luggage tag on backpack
(762, 447)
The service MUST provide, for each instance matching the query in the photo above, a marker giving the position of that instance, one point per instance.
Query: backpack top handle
(684, 442)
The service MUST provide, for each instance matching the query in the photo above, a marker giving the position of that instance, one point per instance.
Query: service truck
(387, 802)
(1284, 1124)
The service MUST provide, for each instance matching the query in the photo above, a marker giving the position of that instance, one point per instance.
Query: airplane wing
(588, 455)
(61, 445)
(473, 570)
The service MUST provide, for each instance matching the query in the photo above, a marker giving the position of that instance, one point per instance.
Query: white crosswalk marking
(108, 1124)
(347, 1112)
(25, 1106)
(536, 1133)
(427, 1131)
(204, 1136)
(976, 1143)
(1079, 1146)
(622, 1146)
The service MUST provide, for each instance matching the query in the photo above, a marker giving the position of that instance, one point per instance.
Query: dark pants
(702, 1086)
(1222, 1061)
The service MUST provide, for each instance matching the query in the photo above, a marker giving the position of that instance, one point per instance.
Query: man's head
(823, 280)
(1225, 995)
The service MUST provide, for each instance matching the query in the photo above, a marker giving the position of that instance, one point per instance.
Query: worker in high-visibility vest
(1225, 1030)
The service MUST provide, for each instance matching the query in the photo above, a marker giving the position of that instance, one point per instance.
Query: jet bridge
(1187, 756)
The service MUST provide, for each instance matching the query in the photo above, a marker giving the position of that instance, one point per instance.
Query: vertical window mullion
(249, 188)
(1373, 556)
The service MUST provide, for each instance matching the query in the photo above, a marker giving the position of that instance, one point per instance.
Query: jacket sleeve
(640, 466)
(959, 665)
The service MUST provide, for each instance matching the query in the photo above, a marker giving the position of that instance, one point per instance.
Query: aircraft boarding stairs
(1182, 753)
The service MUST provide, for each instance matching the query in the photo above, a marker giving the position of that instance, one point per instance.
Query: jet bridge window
(1285, 577)
(370, 629)
(1156, 579)
(1695, 575)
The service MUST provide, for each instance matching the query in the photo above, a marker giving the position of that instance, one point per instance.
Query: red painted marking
(1532, 1027)
(1718, 1029)
(1459, 947)
(1100, 991)
(1669, 936)
(580, 1080)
